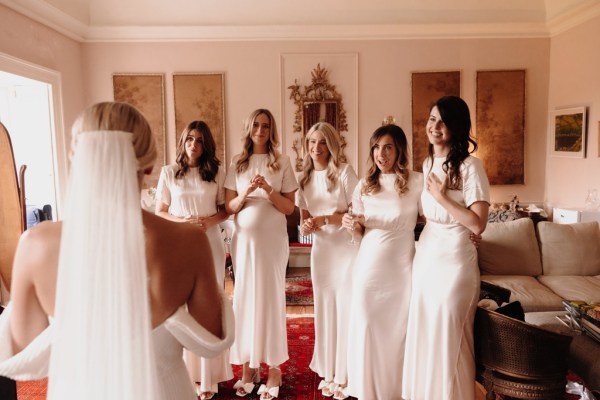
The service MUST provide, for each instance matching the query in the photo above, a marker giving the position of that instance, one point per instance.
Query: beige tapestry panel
(201, 97)
(427, 88)
(500, 125)
(146, 93)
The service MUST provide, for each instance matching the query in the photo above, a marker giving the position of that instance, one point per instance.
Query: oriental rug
(298, 289)
(299, 382)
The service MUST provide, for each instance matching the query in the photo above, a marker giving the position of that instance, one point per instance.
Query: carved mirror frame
(318, 102)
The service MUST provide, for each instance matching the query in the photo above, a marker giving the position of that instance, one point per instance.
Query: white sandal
(243, 389)
(272, 392)
(326, 388)
(340, 393)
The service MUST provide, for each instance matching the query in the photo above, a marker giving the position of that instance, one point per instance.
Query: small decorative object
(568, 131)
(514, 203)
(389, 120)
(592, 202)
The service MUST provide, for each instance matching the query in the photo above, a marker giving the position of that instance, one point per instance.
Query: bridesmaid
(325, 193)
(385, 208)
(191, 191)
(445, 272)
(260, 190)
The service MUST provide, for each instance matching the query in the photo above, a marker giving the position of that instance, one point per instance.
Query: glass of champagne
(352, 240)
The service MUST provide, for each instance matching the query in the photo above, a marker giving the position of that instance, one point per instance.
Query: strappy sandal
(243, 389)
(270, 392)
(326, 388)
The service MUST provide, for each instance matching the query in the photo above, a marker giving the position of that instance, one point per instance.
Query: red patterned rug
(299, 382)
(298, 290)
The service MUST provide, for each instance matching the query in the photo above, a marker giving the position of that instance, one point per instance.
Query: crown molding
(314, 32)
(573, 17)
(73, 28)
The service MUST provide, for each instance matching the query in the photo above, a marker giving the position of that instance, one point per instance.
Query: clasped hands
(203, 222)
(353, 222)
(259, 181)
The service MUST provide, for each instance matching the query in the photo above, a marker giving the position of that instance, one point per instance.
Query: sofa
(542, 265)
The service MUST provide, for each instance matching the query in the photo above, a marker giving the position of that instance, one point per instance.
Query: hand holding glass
(352, 240)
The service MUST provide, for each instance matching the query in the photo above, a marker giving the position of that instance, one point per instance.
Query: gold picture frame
(146, 92)
(201, 96)
(500, 123)
(427, 88)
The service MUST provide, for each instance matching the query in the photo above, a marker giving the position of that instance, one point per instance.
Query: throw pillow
(570, 249)
(510, 248)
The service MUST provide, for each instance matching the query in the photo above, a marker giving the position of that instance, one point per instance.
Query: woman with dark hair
(260, 189)
(386, 207)
(326, 187)
(439, 361)
(191, 191)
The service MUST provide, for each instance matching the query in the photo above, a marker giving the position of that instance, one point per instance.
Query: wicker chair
(519, 360)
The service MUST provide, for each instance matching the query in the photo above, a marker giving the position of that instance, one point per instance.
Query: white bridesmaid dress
(439, 362)
(382, 288)
(191, 195)
(331, 262)
(260, 252)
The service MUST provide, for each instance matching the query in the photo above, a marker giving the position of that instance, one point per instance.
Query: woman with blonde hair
(326, 187)
(113, 291)
(259, 190)
(191, 191)
(386, 207)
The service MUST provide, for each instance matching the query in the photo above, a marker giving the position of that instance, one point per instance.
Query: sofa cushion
(532, 295)
(570, 249)
(510, 248)
(585, 288)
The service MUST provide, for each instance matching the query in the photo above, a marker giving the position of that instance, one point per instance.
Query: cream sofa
(544, 265)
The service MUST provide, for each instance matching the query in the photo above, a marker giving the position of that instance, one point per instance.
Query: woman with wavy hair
(191, 191)
(113, 291)
(260, 189)
(445, 272)
(326, 187)
(386, 207)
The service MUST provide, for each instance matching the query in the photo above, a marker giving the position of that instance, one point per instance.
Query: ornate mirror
(318, 102)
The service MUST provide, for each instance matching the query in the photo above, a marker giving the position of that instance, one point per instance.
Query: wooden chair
(519, 360)
(12, 206)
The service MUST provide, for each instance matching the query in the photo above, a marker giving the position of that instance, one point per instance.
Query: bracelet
(326, 220)
(272, 190)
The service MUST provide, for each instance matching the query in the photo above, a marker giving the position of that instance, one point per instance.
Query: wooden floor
(309, 310)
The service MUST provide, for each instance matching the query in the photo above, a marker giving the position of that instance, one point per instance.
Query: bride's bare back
(180, 271)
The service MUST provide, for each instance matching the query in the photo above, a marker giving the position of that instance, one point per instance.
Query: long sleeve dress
(178, 331)
(381, 288)
(330, 262)
(260, 252)
(439, 362)
(191, 195)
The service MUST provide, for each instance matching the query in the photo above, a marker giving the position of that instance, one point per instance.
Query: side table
(584, 353)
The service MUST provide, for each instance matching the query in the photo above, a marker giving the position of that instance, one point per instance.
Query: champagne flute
(352, 240)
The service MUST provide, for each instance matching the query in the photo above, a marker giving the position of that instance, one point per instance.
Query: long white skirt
(440, 361)
(380, 301)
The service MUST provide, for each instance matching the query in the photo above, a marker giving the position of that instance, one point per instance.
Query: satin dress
(382, 288)
(193, 196)
(260, 252)
(440, 360)
(330, 262)
(178, 331)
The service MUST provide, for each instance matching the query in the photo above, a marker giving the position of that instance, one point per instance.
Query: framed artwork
(500, 125)
(201, 96)
(146, 93)
(427, 88)
(567, 132)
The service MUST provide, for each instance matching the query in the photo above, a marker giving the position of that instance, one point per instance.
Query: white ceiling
(99, 20)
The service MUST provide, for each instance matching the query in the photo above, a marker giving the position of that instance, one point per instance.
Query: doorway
(31, 110)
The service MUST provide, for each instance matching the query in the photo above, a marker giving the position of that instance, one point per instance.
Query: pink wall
(253, 79)
(30, 41)
(575, 82)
